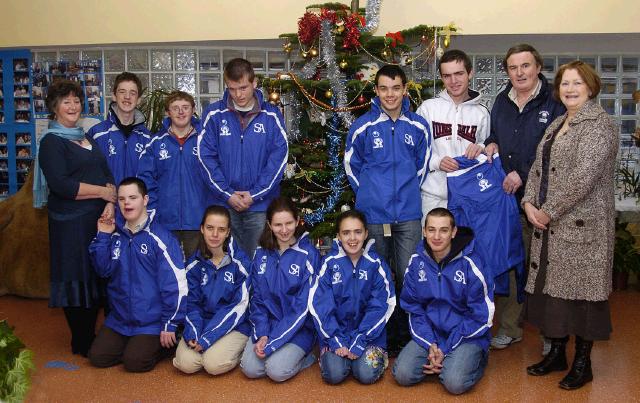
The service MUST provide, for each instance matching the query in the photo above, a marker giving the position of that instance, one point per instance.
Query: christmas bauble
(274, 97)
(313, 52)
(328, 94)
(343, 64)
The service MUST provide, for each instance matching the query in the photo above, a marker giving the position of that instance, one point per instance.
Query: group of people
(197, 240)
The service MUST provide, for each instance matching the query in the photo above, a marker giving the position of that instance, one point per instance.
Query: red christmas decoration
(396, 38)
(351, 39)
(309, 26)
(330, 15)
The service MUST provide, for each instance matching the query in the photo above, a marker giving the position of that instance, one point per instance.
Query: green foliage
(630, 181)
(152, 107)
(626, 258)
(16, 364)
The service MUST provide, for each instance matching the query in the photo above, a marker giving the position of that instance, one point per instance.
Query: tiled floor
(63, 377)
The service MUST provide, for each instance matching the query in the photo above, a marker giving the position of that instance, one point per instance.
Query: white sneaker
(503, 341)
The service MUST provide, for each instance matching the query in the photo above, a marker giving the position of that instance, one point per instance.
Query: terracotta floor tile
(63, 377)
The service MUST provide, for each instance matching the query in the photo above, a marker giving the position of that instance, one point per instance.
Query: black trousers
(82, 323)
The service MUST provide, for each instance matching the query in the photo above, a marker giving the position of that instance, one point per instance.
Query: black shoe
(394, 350)
(580, 373)
(555, 360)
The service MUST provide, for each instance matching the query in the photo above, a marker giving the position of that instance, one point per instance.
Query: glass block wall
(196, 70)
(620, 76)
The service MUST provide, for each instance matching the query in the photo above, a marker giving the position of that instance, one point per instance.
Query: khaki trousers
(221, 357)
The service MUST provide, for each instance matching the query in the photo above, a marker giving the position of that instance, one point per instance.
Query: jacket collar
(121, 224)
(542, 95)
(376, 107)
(474, 97)
(195, 123)
(138, 117)
(463, 243)
(589, 111)
(228, 103)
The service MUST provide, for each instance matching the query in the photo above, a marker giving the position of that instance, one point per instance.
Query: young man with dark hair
(386, 157)
(243, 151)
(459, 125)
(147, 285)
(519, 118)
(449, 299)
(122, 136)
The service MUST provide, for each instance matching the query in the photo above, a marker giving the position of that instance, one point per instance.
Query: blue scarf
(40, 191)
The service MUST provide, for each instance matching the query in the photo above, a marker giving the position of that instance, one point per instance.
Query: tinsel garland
(336, 78)
(372, 16)
(337, 177)
(293, 114)
(310, 68)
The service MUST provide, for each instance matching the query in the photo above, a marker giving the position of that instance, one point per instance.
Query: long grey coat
(580, 202)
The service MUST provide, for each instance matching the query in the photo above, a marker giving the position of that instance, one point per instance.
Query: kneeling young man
(147, 286)
(450, 304)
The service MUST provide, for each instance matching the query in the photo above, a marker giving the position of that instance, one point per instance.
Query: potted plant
(16, 363)
(626, 258)
(152, 107)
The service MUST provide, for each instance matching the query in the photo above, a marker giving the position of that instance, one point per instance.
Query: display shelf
(17, 124)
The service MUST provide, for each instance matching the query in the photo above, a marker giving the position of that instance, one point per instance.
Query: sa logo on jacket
(294, 269)
(259, 128)
(459, 277)
(377, 141)
(228, 277)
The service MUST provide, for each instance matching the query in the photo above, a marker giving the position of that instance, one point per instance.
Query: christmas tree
(334, 58)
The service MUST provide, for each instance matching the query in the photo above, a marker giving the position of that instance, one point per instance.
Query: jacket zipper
(393, 155)
(181, 190)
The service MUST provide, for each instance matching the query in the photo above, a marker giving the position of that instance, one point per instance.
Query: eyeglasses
(183, 108)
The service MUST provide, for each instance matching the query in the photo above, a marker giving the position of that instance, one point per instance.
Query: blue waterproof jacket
(450, 302)
(122, 152)
(351, 305)
(386, 162)
(518, 133)
(250, 160)
(279, 304)
(477, 200)
(172, 174)
(147, 287)
(218, 296)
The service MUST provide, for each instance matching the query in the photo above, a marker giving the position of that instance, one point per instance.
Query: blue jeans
(246, 228)
(283, 364)
(367, 369)
(462, 368)
(396, 251)
(397, 248)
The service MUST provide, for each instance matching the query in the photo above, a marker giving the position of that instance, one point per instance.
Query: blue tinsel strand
(337, 175)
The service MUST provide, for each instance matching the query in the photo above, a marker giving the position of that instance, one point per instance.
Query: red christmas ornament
(351, 38)
(362, 99)
(309, 26)
(396, 38)
(329, 15)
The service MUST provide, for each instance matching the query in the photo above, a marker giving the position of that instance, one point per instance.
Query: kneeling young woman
(351, 302)
(281, 276)
(216, 326)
